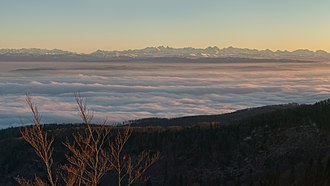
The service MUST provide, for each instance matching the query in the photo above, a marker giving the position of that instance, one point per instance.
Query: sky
(88, 25)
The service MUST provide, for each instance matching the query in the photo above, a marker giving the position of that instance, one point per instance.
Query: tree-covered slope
(272, 145)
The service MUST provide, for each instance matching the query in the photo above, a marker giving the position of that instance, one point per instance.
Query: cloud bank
(125, 91)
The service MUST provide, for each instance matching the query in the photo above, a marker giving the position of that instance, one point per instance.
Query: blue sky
(87, 25)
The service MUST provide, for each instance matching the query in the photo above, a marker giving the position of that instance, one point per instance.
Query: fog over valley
(130, 90)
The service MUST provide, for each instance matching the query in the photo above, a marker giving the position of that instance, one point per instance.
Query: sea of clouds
(131, 90)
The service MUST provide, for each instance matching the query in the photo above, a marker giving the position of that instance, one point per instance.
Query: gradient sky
(88, 25)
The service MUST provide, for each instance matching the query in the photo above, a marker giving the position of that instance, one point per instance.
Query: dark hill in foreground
(221, 119)
(272, 145)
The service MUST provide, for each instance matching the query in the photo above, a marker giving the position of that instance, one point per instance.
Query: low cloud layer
(125, 91)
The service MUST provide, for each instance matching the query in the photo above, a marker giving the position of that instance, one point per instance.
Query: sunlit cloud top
(88, 25)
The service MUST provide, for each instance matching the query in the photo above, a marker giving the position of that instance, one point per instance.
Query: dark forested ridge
(272, 145)
(222, 119)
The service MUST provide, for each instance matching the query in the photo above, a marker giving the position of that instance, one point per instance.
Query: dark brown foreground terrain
(272, 145)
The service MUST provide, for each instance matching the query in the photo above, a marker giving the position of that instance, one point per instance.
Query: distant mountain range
(36, 54)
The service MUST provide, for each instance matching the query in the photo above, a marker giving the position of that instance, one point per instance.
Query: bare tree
(88, 160)
(24, 182)
(91, 154)
(40, 141)
(129, 171)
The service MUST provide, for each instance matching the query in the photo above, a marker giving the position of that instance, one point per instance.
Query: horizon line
(159, 46)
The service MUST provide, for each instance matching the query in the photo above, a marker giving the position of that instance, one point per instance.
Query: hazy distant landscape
(148, 53)
(131, 90)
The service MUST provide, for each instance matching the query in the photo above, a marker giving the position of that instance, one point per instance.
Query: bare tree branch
(39, 140)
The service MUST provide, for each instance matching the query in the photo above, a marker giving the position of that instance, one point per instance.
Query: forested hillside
(273, 145)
